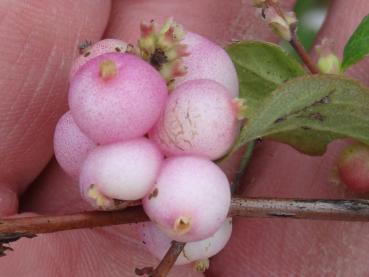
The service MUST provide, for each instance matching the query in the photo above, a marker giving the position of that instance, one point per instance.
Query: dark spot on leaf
(316, 116)
(324, 100)
(118, 49)
(305, 128)
(86, 54)
(279, 120)
(259, 140)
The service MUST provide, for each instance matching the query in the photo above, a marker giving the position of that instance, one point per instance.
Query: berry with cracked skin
(190, 199)
(200, 118)
(207, 60)
(121, 171)
(116, 97)
(71, 145)
(353, 167)
(88, 52)
(158, 243)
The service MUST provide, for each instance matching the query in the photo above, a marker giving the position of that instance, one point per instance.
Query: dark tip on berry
(154, 193)
(158, 58)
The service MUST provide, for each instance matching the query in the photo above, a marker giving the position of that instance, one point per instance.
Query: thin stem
(294, 42)
(169, 259)
(50, 224)
(345, 210)
(243, 164)
(305, 57)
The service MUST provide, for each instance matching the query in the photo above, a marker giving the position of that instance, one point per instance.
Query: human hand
(38, 43)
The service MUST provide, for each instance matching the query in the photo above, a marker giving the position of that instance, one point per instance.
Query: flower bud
(328, 62)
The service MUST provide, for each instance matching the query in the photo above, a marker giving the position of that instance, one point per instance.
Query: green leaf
(261, 67)
(358, 45)
(310, 111)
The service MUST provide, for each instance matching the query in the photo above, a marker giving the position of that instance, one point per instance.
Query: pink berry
(190, 199)
(71, 146)
(158, 243)
(208, 61)
(101, 47)
(200, 118)
(124, 171)
(116, 97)
(353, 167)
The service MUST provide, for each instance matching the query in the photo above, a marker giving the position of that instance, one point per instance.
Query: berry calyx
(163, 48)
(108, 69)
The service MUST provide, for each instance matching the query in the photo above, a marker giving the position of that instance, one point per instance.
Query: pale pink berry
(190, 199)
(101, 47)
(116, 97)
(208, 61)
(71, 146)
(200, 118)
(353, 167)
(123, 171)
(158, 243)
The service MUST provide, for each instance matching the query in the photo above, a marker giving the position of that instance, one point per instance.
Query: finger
(38, 40)
(291, 247)
(220, 21)
(99, 252)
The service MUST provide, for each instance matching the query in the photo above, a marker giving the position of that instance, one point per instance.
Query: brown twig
(167, 262)
(306, 59)
(345, 210)
(294, 42)
(50, 224)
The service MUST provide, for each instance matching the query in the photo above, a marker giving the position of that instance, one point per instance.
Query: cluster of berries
(145, 124)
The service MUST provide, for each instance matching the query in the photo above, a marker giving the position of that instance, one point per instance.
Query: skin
(33, 95)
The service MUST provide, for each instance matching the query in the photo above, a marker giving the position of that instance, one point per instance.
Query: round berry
(124, 171)
(200, 118)
(71, 146)
(116, 97)
(353, 167)
(190, 199)
(208, 61)
(101, 47)
(158, 243)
